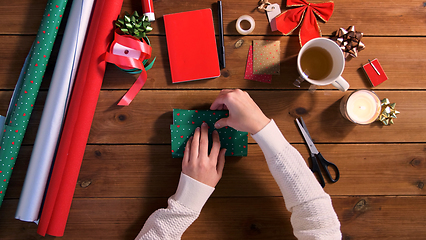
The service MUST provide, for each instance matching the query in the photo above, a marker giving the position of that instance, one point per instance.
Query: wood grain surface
(231, 218)
(128, 172)
(404, 71)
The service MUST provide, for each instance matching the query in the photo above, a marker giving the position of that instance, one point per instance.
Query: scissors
(316, 156)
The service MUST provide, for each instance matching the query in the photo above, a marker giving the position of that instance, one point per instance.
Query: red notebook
(191, 44)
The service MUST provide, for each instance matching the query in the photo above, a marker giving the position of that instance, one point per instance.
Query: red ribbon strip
(289, 20)
(130, 63)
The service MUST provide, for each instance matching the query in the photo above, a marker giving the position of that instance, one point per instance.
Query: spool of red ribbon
(128, 53)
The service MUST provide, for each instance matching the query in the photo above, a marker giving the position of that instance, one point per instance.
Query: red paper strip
(79, 118)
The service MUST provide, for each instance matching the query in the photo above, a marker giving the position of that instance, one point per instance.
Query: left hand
(197, 163)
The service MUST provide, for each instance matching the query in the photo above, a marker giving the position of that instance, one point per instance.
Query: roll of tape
(248, 19)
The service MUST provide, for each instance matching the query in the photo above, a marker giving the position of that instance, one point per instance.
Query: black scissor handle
(316, 169)
(326, 165)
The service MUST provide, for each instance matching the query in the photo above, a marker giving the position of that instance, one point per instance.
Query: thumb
(223, 122)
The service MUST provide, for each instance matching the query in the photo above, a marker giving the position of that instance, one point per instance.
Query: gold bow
(388, 112)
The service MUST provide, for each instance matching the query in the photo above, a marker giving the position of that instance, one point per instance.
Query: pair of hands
(244, 115)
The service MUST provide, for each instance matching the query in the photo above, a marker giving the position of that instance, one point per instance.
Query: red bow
(292, 18)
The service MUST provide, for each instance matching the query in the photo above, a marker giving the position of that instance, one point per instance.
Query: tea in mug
(316, 63)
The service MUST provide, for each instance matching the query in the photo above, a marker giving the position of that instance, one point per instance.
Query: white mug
(334, 77)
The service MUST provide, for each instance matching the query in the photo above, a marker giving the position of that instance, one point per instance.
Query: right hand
(244, 114)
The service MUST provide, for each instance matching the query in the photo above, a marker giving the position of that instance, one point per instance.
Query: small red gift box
(375, 72)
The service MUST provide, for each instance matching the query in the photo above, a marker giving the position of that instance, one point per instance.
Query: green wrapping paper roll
(20, 112)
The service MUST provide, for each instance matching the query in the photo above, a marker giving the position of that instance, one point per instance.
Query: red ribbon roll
(129, 62)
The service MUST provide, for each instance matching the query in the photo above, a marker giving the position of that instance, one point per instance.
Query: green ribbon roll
(26, 91)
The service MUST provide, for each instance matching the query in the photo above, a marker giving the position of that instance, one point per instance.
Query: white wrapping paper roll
(54, 111)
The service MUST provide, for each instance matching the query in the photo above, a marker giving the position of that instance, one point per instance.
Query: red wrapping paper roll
(79, 118)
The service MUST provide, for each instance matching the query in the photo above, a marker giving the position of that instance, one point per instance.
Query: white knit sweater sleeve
(183, 209)
(313, 216)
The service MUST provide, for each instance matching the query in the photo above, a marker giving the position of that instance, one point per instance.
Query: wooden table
(128, 172)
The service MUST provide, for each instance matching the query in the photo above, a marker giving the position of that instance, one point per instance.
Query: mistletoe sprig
(134, 25)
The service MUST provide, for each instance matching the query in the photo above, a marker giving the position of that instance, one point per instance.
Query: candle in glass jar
(362, 107)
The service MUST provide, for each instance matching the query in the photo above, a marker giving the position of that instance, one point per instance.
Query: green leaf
(126, 18)
(148, 29)
(136, 14)
(129, 26)
(120, 21)
(133, 18)
(124, 30)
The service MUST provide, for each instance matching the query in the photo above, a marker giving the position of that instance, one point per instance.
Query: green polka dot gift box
(186, 121)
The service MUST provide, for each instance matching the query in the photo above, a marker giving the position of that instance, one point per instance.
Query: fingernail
(204, 124)
(217, 125)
